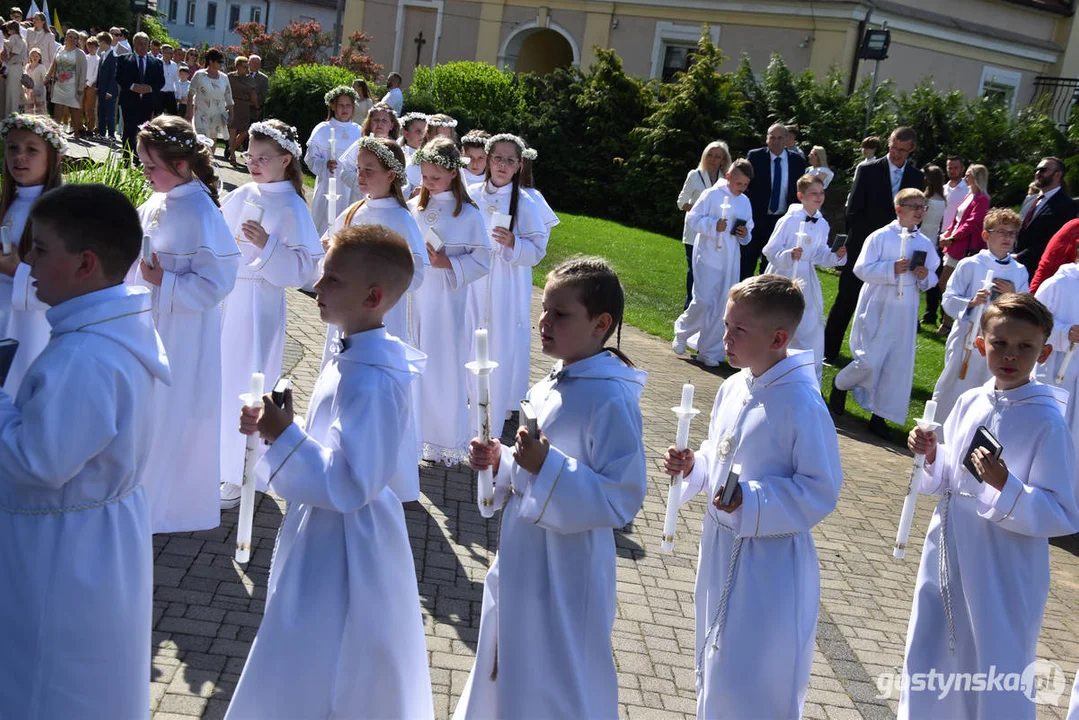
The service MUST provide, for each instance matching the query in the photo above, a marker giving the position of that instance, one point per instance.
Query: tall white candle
(725, 208)
(481, 346)
(247, 490)
(975, 327)
(926, 423)
(5, 239)
(147, 251)
(333, 143)
(685, 413)
(802, 228)
(904, 237)
(331, 200)
(481, 367)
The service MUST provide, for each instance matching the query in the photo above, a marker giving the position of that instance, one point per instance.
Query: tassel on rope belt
(942, 564)
(719, 619)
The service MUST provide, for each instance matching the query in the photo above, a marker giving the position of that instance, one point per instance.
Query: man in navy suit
(870, 206)
(107, 89)
(1043, 214)
(140, 77)
(773, 189)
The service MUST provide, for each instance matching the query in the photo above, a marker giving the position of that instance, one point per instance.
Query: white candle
(725, 208)
(5, 239)
(333, 144)
(975, 327)
(247, 490)
(331, 200)
(926, 423)
(147, 251)
(903, 237)
(685, 413)
(802, 228)
(501, 220)
(481, 346)
(481, 368)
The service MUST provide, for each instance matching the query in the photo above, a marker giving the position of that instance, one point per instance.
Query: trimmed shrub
(475, 94)
(296, 94)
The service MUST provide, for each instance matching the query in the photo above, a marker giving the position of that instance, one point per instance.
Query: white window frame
(681, 34)
(1001, 77)
(190, 13)
(239, 13)
(174, 10)
(255, 14)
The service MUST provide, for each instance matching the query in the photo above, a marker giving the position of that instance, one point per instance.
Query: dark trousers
(106, 115)
(846, 300)
(933, 295)
(751, 252)
(689, 274)
(168, 103)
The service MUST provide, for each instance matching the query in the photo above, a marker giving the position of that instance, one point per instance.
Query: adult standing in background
(244, 99)
(171, 69)
(932, 225)
(366, 102)
(209, 98)
(140, 78)
(394, 97)
(870, 206)
(191, 59)
(41, 37)
(955, 190)
(89, 94)
(792, 140)
(818, 165)
(68, 76)
(714, 163)
(262, 84)
(964, 237)
(1043, 214)
(15, 55)
(108, 91)
(772, 190)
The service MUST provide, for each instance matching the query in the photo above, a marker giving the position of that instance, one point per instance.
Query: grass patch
(653, 272)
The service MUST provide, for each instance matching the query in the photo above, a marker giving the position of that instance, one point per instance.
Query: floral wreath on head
(385, 107)
(338, 92)
(384, 155)
(37, 124)
(449, 122)
(526, 152)
(475, 138)
(409, 117)
(278, 137)
(162, 134)
(423, 155)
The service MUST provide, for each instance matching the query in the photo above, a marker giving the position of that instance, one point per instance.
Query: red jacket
(966, 230)
(1059, 251)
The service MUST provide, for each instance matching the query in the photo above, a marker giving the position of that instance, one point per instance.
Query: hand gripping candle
(685, 413)
(247, 490)
(481, 367)
(926, 423)
(975, 328)
(904, 238)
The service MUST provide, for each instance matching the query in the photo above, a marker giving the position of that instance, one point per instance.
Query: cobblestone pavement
(207, 608)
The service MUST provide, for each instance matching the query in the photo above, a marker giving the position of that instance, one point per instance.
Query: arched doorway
(539, 50)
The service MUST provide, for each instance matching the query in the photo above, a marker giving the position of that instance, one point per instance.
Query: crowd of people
(137, 338)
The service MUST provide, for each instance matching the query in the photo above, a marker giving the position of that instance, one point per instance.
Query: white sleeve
(208, 283)
(23, 294)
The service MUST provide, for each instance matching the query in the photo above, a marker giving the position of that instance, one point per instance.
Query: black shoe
(879, 427)
(929, 320)
(837, 401)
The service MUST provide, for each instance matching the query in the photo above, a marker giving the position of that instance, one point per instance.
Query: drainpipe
(853, 82)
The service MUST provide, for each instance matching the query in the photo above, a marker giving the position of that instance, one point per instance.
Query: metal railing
(1055, 97)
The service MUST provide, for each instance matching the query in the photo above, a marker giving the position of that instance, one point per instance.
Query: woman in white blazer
(715, 161)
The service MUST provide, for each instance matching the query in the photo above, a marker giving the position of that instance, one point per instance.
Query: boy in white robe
(884, 334)
(342, 635)
(716, 262)
(984, 575)
(799, 244)
(76, 553)
(758, 580)
(962, 298)
(1060, 294)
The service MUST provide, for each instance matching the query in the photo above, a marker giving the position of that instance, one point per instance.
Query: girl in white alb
(270, 222)
(32, 164)
(194, 265)
(503, 302)
(474, 149)
(549, 596)
(460, 254)
(344, 132)
(413, 131)
(380, 176)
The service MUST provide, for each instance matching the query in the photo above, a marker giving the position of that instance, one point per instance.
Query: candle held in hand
(147, 251)
(685, 413)
(926, 423)
(247, 489)
(482, 367)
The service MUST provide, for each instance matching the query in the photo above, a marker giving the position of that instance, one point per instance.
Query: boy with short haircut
(964, 368)
(758, 580)
(183, 85)
(870, 147)
(169, 95)
(883, 337)
(75, 545)
(717, 258)
(798, 245)
(352, 643)
(984, 574)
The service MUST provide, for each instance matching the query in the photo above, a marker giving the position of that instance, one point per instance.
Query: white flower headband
(409, 117)
(338, 92)
(278, 137)
(475, 138)
(439, 122)
(382, 107)
(189, 142)
(526, 152)
(37, 125)
(426, 156)
(384, 155)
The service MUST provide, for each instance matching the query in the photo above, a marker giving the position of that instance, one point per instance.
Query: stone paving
(207, 608)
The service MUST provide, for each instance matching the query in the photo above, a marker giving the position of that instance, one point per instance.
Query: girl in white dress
(474, 147)
(33, 155)
(381, 122)
(818, 165)
(449, 220)
(341, 103)
(271, 223)
(193, 268)
(381, 174)
(549, 596)
(35, 97)
(502, 303)
(413, 131)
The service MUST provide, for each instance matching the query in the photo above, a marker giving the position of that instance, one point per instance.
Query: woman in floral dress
(209, 99)
(68, 73)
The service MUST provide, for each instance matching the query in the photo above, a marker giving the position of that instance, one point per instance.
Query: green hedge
(296, 94)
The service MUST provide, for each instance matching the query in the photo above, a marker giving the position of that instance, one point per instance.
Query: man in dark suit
(773, 188)
(870, 206)
(107, 89)
(140, 77)
(1043, 214)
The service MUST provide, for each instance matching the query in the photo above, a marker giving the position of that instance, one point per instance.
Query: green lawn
(653, 272)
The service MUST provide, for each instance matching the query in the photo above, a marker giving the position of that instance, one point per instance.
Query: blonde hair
(1001, 216)
(384, 255)
(776, 297)
(980, 173)
(906, 194)
(395, 186)
(725, 165)
(807, 181)
(822, 155)
(173, 139)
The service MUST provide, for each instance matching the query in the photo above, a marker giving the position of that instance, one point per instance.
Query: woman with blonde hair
(818, 165)
(964, 237)
(713, 166)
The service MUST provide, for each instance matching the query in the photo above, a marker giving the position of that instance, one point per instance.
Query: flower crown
(188, 142)
(278, 137)
(37, 124)
(409, 117)
(526, 152)
(338, 92)
(423, 155)
(475, 137)
(384, 155)
(434, 121)
(381, 106)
